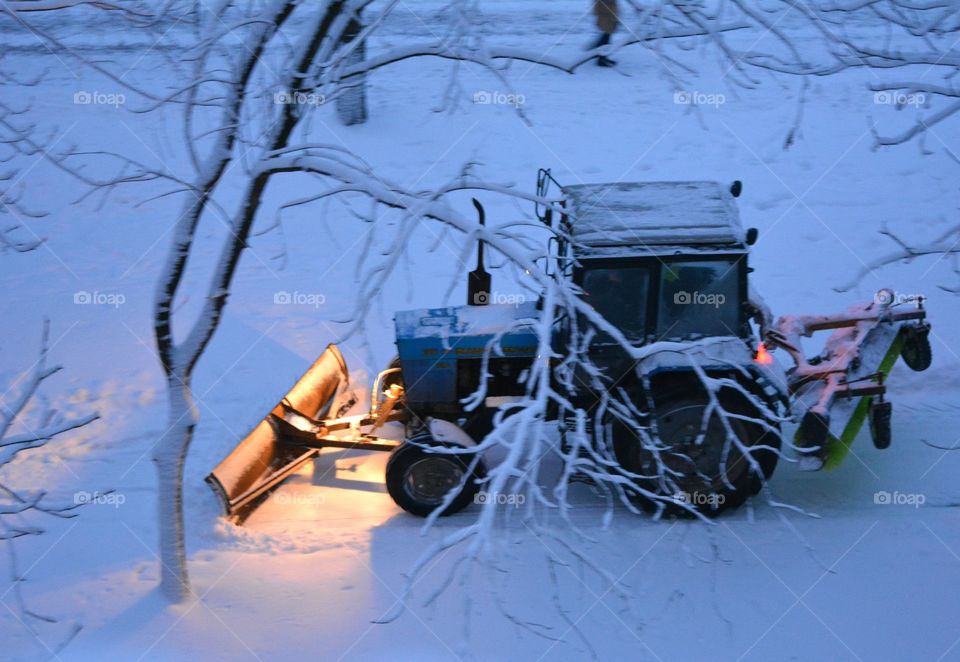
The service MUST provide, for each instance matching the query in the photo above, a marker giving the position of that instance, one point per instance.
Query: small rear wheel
(419, 479)
(915, 350)
(813, 433)
(880, 415)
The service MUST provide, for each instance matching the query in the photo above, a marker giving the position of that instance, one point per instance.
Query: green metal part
(838, 448)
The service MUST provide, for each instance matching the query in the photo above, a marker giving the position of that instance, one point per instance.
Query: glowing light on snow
(763, 357)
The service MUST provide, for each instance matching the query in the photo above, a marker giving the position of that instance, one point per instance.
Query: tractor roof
(653, 217)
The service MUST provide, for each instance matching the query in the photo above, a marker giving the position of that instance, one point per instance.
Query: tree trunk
(169, 456)
(352, 102)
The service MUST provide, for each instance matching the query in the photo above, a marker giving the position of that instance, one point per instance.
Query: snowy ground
(325, 556)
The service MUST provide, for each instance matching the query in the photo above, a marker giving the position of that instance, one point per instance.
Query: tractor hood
(435, 343)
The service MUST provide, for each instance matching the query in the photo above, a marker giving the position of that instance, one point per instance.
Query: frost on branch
(944, 247)
(27, 422)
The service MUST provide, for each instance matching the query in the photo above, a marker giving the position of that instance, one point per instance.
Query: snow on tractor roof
(654, 216)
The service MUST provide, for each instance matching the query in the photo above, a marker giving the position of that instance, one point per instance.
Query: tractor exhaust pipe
(478, 280)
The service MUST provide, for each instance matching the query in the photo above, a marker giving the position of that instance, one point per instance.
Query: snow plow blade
(266, 456)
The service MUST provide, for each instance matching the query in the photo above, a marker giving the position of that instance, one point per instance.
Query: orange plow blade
(265, 457)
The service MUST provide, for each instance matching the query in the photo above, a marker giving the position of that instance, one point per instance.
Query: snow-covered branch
(27, 422)
(945, 245)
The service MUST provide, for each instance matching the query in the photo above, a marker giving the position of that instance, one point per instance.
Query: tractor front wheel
(419, 478)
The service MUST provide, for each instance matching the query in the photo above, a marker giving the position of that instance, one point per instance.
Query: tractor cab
(659, 260)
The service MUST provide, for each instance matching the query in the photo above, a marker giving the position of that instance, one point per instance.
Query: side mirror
(736, 188)
(752, 235)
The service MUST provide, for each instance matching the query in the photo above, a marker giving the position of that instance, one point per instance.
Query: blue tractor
(662, 262)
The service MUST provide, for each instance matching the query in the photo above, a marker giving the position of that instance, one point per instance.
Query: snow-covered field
(325, 556)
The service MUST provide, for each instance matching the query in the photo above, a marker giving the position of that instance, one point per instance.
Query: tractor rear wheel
(420, 479)
(694, 466)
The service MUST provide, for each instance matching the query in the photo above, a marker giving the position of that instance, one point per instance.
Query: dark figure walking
(607, 20)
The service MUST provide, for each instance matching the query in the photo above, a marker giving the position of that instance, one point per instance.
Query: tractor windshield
(620, 295)
(699, 298)
(691, 298)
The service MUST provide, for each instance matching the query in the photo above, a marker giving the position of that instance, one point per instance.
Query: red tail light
(763, 357)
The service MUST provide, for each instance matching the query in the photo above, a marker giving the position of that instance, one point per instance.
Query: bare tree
(945, 245)
(15, 137)
(28, 422)
(920, 46)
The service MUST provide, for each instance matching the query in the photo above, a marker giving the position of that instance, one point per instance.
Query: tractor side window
(699, 299)
(620, 295)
